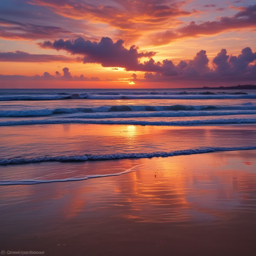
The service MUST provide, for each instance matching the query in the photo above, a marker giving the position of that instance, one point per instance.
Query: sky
(126, 43)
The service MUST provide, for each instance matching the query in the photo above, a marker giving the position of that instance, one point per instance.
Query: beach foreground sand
(184, 205)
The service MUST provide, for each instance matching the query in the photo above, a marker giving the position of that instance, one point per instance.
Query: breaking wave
(198, 122)
(84, 158)
(246, 108)
(134, 95)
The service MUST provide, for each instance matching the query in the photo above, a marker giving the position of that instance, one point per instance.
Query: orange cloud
(132, 19)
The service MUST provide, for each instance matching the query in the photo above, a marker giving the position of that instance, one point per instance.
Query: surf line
(107, 157)
(35, 182)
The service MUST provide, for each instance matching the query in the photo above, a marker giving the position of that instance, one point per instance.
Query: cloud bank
(225, 68)
(66, 76)
(110, 54)
(106, 52)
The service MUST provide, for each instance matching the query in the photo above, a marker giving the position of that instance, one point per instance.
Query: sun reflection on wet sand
(85, 139)
(214, 190)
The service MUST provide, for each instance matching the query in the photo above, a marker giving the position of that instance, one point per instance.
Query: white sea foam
(125, 96)
(34, 182)
(162, 114)
(198, 122)
(126, 111)
(84, 158)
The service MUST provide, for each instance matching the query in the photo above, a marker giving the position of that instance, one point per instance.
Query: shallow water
(76, 106)
(79, 139)
(192, 198)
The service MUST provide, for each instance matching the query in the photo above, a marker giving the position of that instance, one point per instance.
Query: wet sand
(184, 205)
(80, 139)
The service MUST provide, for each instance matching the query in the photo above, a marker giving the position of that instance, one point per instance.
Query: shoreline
(187, 205)
(111, 157)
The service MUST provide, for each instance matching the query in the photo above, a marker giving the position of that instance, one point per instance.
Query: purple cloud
(26, 31)
(231, 68)
(221, 62)
(19, 56)
(240, 64)
(110, 54)
(220, 9)
(106, 52)
(245, 18)
(46, 76)
(210, 5)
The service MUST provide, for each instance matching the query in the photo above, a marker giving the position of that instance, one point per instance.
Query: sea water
(71, 125)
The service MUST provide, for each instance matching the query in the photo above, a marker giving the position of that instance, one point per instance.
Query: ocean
(71, 125)
(128, 172)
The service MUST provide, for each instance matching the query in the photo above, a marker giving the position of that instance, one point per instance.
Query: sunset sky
(126, 43)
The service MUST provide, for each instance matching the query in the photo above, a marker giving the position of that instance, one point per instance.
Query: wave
(130, 108)
(163, 114)
(32, 97)
(85, 158)
(118, 96)
(132, 122)
(173, 97)
(35, 97)
(34, 182)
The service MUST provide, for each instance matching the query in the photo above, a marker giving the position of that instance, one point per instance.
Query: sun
(131, 82)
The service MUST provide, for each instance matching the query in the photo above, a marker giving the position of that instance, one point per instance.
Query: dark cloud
(209, 5)
(221, 62)
(66, 74)
(147, 66)
(48, 77)
(196, 67)
(168, 68)
(110, 54)
(106, 52)
(225, 67)
(239, 65)
(134, 77)
(246, 18)
(200, 62)
(220, 9)
(19, 56)
(13, 30)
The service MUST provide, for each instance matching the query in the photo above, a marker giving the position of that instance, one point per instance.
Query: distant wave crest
(128, 95)
(93, 112)
(198, 122)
